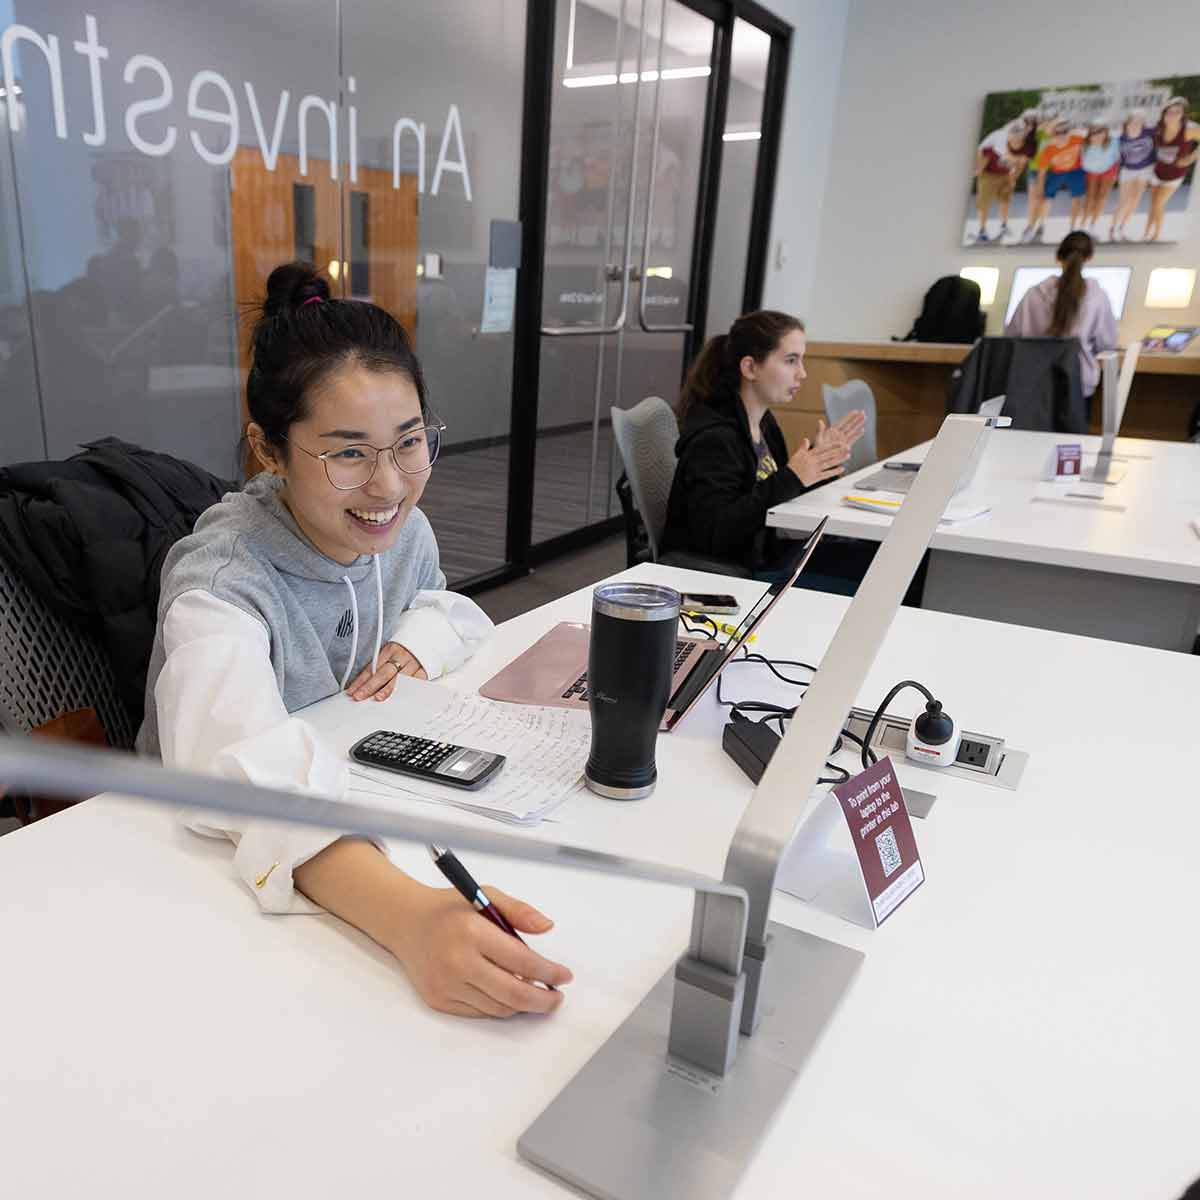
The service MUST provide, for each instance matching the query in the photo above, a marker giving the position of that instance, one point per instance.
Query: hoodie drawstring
(354, 620)
(379, 615)
(354, 632)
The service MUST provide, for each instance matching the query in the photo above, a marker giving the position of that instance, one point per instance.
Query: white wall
(814, 74)
(907, 119)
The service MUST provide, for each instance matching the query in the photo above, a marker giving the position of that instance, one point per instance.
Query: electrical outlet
(980, 756)
(972, 753)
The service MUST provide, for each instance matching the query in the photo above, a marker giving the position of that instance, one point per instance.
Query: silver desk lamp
(674, 1103)
(1113, 397)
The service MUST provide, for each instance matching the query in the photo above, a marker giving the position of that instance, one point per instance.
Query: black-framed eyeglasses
(354, 466)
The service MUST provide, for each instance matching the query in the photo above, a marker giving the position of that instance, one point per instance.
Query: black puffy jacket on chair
(88, 537)
(1038, 376)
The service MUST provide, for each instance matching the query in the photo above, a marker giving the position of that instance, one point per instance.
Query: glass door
(629, 112)
(741, 142)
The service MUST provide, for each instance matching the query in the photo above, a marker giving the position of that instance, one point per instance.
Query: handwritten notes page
(545, 749)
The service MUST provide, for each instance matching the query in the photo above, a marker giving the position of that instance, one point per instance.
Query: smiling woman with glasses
(322, 576)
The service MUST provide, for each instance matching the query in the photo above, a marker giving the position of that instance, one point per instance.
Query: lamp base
(635, 1125)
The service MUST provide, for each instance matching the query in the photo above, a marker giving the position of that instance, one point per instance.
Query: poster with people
(1116, 160)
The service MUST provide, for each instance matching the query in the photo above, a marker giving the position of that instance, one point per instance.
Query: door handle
(626, 259)
(641, 312)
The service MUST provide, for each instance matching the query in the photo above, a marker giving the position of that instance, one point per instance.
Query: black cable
(866, 742)
(859, 742)
(845, 775)
(772, 665)
(778, 713)
(701, 619)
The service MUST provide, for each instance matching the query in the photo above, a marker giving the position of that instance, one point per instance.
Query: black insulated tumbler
(631, 656)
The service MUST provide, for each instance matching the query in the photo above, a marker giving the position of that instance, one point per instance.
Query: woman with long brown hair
(1176, 143)
(1068, 305)
(733, 461)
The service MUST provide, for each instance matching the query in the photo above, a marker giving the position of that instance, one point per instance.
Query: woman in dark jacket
(733, 460)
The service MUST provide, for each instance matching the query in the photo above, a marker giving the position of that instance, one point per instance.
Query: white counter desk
(1023, 1026)
(1125, 567)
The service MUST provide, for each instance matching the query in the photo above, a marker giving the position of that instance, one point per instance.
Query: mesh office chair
(840, 402)
(49, 667)
(646, 435)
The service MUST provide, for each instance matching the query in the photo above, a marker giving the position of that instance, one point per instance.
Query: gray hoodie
(324, 620)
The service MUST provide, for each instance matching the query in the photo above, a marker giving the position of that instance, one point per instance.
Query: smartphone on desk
(709, 602)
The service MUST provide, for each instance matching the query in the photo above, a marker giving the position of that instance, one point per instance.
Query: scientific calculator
(441, 762)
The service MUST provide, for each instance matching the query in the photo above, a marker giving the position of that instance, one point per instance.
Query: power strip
(981, 756)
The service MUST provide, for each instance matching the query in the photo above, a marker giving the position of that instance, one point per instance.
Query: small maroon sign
(1068, 460)
(882, 833)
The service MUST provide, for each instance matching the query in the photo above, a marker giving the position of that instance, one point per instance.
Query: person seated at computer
(1068, 305)
(321, 577)
(733, 462)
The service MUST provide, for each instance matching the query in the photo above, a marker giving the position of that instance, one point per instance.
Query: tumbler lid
(636, 601)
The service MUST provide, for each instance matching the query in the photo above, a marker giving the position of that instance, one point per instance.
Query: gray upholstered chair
(646, 435)
(49, 667)
(840, 401)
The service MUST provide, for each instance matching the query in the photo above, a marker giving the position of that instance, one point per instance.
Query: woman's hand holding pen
(464, 965)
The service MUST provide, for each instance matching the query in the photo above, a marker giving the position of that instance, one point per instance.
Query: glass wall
(21, 434)
(628, 107)
(439, 94)
(739, 165)
(156, 161)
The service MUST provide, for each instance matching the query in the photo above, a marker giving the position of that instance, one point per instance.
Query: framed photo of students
(1117, 160)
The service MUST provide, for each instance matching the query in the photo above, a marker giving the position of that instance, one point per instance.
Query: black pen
(902, 466)
(446, 862)
(460, 877)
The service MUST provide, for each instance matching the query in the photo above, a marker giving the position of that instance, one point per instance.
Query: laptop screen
(753, 619)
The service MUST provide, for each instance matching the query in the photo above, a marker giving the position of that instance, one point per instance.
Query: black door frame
(521, 554)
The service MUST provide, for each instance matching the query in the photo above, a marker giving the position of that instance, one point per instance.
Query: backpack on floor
(950, 313)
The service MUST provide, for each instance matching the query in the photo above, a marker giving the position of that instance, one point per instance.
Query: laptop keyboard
(683, 651)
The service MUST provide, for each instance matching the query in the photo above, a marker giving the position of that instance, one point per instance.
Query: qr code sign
(889, 852)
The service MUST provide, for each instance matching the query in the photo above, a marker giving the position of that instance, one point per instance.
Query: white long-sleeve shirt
(220, 711)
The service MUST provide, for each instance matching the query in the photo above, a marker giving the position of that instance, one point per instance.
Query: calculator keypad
(396, 749)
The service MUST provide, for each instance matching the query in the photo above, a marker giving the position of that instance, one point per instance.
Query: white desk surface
(1152, 538)
(1023, 1026)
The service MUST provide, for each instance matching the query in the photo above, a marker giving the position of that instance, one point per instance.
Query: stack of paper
(545, 749)
(961, 508)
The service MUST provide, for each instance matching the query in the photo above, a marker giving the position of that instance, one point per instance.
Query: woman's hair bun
(290, 285)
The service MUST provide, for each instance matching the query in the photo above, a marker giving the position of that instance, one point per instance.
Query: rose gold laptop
(553, 671)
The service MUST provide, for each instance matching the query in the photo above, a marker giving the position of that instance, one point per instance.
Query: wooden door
(391, 243)
(264, 209)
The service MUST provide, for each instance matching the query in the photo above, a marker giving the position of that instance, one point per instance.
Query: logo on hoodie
(346, 625)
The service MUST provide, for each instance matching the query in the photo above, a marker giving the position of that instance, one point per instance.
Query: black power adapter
(750, 744)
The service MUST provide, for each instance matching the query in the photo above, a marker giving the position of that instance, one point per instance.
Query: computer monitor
(1114, 281)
